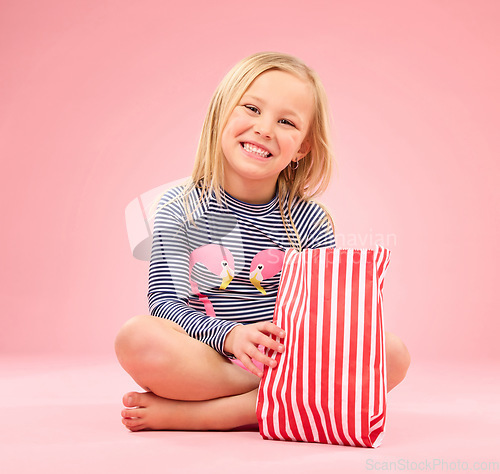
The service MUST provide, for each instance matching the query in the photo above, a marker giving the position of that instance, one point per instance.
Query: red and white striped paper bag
(330, 384)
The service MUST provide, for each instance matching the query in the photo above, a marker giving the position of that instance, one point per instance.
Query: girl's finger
(268, 327)
(276, 330)
(247, 362)
(272, 344)
(261, 357)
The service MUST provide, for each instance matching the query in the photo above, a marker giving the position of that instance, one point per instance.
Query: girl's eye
(252, 108)
(286, 122)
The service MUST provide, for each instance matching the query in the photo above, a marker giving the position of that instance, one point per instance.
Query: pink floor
(63, 415)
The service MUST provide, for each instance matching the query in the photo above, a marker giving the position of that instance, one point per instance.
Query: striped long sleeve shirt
(222, 268)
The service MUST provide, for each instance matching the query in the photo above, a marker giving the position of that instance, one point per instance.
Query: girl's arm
(169, 285)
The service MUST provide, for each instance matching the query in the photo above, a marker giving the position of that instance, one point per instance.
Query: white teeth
(256, 150)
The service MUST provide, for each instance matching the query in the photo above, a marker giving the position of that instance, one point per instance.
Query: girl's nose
(264, 128)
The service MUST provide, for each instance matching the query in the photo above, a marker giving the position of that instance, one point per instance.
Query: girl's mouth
(255, 150)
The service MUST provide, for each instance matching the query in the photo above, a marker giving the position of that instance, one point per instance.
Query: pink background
(104, 100)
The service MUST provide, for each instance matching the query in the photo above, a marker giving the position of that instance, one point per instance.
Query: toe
(133, 413)
(132, 399)
(134, 424)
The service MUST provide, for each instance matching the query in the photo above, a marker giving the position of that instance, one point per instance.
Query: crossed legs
(190, 386)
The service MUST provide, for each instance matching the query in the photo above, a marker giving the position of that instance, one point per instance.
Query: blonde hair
(314, 170)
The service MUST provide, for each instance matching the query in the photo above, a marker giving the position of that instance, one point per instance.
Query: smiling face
(264, 133)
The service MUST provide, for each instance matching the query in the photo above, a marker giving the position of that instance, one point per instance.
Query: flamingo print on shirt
(218, 260)
(265, 264)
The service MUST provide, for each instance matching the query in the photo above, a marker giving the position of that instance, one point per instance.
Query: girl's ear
(304, 149)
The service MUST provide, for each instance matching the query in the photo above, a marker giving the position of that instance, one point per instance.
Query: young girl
(218, 247)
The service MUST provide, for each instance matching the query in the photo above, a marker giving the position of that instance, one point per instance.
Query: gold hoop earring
(296, 165)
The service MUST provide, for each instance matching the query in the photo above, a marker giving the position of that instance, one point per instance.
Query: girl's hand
(243, 342)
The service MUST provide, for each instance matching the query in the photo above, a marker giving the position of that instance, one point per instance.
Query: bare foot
(147, 411)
